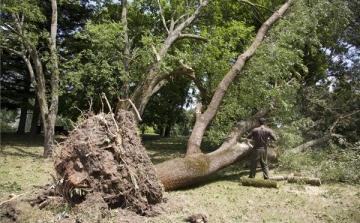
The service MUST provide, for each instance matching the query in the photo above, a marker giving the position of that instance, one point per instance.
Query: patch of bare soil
(102, 165)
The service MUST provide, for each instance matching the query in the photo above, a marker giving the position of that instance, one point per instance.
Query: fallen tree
(197, 166)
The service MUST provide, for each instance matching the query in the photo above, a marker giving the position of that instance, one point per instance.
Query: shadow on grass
(23, 145)
(23, 140)
(20, 153)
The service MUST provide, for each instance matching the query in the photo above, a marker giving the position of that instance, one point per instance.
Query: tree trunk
(35, 119)
(182, 172)
(197, 167)
(22, 122)
(167, 132)
(49, 137)
(50, 117)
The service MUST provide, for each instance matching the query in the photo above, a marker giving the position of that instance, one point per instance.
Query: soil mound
(104, 158)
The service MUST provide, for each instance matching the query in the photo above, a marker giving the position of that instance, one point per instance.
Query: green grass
(222, 198)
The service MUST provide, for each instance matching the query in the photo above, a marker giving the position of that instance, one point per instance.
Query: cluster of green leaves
(293, 58)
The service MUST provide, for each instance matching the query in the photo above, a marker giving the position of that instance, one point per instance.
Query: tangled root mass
(104, 156)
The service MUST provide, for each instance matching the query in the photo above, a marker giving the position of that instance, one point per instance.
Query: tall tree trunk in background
(24, 107)
(168, 127)
(30, 55)
(35, 119)
(50, 118)
(197, 166)
(22, 121)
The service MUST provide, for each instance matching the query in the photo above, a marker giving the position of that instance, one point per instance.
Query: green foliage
(165, 109)
(330, 163)
(303, 162)
(7, 120)
(291, 135)
(341, 165)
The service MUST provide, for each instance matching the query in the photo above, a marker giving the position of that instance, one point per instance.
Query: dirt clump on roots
(103, 164)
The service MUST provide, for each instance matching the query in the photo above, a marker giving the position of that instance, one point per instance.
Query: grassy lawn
(222, 198)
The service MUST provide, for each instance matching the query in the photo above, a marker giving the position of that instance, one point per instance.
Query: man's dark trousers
(259, 154)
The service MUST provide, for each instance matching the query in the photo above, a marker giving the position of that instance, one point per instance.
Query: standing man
(259, 151)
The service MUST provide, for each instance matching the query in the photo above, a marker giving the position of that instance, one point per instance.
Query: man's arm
(250, 135)
(272, 136)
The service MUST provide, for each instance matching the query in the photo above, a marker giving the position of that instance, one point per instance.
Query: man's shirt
(260, 136)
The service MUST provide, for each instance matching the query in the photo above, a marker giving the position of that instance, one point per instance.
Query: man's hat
(262, 121)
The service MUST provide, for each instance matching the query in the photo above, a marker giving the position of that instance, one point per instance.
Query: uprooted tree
(103, 156)
(195, 166)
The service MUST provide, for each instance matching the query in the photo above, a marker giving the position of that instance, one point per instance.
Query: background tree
(30, 32)
(15, 88)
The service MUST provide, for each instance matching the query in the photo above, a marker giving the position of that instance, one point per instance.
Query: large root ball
(104, 155)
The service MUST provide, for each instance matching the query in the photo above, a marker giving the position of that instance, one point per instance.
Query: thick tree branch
(314, 142)
(201, 123)
(326, 137)
(154, 80)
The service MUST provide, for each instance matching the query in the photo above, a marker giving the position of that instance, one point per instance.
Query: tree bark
(258, 182)
(22, 122)
(181, 172)
(35, 119)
